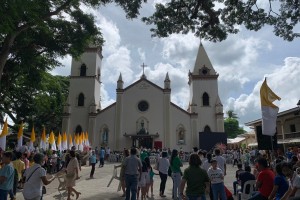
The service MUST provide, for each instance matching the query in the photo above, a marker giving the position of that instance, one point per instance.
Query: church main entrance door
(146, 142)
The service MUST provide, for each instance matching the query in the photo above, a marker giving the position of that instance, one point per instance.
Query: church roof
(146, 80)
(203, 61)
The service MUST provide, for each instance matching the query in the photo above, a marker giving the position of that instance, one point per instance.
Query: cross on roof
(143, 66)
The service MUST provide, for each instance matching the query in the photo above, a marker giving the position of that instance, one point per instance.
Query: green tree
(34, 99)
(214, 23)
(231, 125)
(51, 28)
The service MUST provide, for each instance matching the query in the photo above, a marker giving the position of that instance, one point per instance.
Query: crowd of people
(275, 176)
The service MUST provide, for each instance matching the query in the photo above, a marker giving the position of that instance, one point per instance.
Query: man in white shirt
(220, 160)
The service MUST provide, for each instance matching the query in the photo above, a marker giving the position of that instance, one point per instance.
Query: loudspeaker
(264, 142)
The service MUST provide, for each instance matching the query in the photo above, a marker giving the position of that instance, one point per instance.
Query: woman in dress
(72, 175)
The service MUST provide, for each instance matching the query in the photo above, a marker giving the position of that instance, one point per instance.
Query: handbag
(44, 191)
(169, 171)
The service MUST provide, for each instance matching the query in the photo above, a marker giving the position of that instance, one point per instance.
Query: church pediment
(143, 84)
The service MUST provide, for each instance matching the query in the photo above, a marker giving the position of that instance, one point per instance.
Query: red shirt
(266, 178)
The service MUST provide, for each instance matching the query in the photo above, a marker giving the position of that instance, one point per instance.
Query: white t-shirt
(163, 165)
(206, 165)
(221, 162)
(215, 175)
(295, 183)
(33, 186)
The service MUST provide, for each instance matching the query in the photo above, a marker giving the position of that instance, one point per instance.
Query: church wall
(106, 118)
(206, 114)
(90, 59)
(79, 114)
(154, 114)
(179, 118)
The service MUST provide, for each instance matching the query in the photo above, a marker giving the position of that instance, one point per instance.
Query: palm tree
(231, 114)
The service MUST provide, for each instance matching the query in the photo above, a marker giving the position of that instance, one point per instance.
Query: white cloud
(284, 81)
(142, 54)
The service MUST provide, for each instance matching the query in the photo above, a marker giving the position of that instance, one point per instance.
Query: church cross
(143, 66)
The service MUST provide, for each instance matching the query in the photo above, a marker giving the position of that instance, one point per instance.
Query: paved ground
(97, 188)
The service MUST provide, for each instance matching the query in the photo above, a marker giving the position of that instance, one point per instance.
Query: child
(142, 185)
(216, 177)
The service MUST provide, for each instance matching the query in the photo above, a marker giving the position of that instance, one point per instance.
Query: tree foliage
(214, 19)
(36, 99)
(231, 125)
(53, 28)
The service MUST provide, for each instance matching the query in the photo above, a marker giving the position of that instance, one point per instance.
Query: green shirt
(175, 165)
(143, 155)
(195, 179)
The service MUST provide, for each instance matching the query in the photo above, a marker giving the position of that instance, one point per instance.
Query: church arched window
(205, 99)
(180, 134)
(78, 129)
(80, 100)
(207, 129)
(83, 70)
(105, 135)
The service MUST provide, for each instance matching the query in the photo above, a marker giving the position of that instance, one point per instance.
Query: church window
(105, 136)
(207, 129)
(143, 106)
(205, 99)
(81, 100)
(78, 129)
(83, 70)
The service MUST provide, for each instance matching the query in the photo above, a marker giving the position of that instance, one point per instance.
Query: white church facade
(143, 114)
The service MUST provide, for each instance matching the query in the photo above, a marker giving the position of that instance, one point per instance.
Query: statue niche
(143, 130)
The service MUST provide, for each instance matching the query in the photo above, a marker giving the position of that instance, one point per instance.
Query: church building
(143, 114)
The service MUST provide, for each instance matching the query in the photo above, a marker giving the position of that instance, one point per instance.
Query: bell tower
(84, 92)
(204, 95)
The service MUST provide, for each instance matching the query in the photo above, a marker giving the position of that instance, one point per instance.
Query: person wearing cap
(216, 177)
(7, 173)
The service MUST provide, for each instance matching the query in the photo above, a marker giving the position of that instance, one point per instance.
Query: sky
(242, 61)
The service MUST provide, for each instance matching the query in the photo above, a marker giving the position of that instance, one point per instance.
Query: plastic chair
(62, 184)
(248, 184)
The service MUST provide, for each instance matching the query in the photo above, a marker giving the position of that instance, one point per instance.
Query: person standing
(216, 177)
(93, 161)
(133, 171)
(7, 173)
(101, 157)
(19, 165)
(221, 161)
(175, 164)
(107, 154)
(196, 179)
(163, 166)
(72, 175)
(35, 177)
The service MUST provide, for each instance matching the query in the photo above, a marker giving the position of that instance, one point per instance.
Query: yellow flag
(51, 138)
(268, 109)
(70, 139)
(44, 135)
(267, 96)
(5, 129)
(59, 139)
(64, 137)
(20, 132)
(32, 137)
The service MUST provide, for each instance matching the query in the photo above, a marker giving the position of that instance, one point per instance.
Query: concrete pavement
(97, 188)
